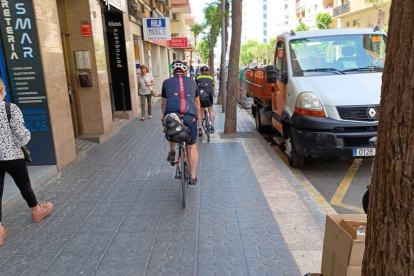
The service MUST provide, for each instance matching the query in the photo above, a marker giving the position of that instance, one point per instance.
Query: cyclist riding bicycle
(180, 96)
(206, 83)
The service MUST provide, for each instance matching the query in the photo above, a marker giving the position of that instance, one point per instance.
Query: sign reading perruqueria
(156, 29)
(23, 63)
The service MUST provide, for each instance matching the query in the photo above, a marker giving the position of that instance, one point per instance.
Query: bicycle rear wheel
(207, 127)
(183, 173)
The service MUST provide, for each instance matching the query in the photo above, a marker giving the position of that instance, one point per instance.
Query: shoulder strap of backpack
(8, 112)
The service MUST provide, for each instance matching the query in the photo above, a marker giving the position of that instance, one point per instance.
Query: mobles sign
(21, 24)
(18, 35)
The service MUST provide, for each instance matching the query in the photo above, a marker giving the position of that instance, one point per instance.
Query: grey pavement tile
(120, 196)
(22, 224)
(154, 195)
(140, 223)
(221, 262)
(128, 264)
(90, 242)
(75, 209)
(218, 218)
(256, 220)
(147, 207)
(44, 243)
(12, 243)
(128, 185)
(270, 262)
(132, 242)
(111, 208)
(181, 221)
(260, 239)
(26, 265)
(100, 224)
(172, 263)
(71, 265)
(176, 241)
(227, 239)
(63, 224)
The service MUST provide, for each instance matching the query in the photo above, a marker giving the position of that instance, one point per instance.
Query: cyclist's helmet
(179, 65)
(204, 68)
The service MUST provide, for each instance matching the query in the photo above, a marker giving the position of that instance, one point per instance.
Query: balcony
(133, 9)
(300, 5)
(345, 8)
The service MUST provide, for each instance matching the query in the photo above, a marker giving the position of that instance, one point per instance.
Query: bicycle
(207, 124)
(182, 167)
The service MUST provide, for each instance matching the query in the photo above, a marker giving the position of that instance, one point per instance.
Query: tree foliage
(324, 18)
(255, 52)
(302, 27)
(197, 29)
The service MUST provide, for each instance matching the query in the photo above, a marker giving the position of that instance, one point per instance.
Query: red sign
(86, 29)
(179, 42)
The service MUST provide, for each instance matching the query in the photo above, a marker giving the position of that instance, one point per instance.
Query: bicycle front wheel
(183, 178)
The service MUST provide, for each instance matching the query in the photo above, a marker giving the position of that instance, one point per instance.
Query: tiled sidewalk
(118, 211)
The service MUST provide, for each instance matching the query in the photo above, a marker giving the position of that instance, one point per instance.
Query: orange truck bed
(257, 86)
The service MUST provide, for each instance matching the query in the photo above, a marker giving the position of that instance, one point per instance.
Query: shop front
(22, 71)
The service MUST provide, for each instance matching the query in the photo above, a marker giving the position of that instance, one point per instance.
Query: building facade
(307, 10)
(358, 13)
(75, 68)
(262, 20)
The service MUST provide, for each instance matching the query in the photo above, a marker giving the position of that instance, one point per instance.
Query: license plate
(364, 152)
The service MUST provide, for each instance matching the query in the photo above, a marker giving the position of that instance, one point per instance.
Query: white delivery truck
(322, 93)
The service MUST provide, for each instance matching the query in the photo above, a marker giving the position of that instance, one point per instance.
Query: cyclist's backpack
(177, 132)
(204, 99)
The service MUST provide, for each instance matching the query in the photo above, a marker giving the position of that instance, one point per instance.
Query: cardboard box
(342, 254)
(354, 228)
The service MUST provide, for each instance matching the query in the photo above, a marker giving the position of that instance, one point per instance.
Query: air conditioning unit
(175, 17)
(161, 2)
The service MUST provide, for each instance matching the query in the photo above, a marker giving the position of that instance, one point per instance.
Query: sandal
(45, 209)
(143, 119)
(149, 117)
(3, 235)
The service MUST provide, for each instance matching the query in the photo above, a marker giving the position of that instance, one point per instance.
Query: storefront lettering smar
(21, 24)
(24, 70)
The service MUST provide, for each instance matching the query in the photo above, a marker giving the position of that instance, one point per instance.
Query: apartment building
(307, 10)
(262, 20)
(357, 13)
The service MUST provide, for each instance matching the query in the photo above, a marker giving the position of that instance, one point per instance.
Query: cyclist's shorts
(210, 95)
(191, 122)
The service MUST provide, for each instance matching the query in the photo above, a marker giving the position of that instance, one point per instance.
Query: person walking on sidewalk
(146, 90)
(180, 96)
(13, 136)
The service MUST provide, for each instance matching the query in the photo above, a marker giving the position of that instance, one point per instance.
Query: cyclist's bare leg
(192, 159)
(212, 117)
(200, 117)
(172, 146)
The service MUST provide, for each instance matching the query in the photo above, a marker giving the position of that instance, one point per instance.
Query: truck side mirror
(271, 73)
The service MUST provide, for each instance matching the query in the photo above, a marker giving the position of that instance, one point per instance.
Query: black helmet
(204, 68)
(179, 65)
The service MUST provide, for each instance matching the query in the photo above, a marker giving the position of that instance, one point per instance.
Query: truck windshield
(339, 54)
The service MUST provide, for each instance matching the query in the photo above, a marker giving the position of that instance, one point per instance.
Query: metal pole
(223, 75)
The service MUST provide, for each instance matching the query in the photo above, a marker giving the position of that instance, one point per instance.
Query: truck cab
(325, 92)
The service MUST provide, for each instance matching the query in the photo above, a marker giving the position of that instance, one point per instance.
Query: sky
(197, 7)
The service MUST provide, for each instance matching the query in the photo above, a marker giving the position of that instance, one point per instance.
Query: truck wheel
(259, 126)
(295, 160)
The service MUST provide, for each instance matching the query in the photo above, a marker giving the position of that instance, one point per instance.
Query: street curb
(314, 209)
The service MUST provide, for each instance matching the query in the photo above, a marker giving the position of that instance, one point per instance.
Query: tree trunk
(213, 40)
(390, 232)
(230, 124)
(223, 68)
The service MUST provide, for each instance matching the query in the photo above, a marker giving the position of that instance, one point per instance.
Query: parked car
(323, 92)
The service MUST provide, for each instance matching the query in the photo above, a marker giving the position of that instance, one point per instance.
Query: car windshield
(339, 54)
